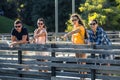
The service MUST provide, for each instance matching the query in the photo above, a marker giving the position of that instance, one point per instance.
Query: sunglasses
(17, 26)
(74, 20)
(40, 23)
(92, 24)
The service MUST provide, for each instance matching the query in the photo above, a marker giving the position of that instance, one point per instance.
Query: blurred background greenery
(107, 12)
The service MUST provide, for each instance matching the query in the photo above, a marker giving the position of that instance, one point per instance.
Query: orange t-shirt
(78, 38)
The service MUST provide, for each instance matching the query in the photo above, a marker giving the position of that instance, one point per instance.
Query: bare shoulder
(43, 30)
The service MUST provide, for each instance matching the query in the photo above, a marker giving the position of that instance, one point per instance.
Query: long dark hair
(81, 23)
(95, 21)
(78, 17)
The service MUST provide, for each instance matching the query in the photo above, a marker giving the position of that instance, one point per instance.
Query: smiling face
(75, 20)
(93, 25)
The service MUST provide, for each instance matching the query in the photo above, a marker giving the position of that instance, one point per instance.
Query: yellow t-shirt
(78, 38)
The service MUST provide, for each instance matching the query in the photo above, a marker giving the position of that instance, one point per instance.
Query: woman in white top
(40, 34)
(40, 37)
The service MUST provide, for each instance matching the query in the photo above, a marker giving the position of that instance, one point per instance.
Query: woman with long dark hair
(78, 35)
(78, 32)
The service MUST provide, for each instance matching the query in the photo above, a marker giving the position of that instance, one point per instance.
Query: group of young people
(97, 36)
(19, 34)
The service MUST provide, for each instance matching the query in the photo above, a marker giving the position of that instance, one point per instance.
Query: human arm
(72, 32)
(15, 41)
(39, 33)
(33, 39)
(19, 39)
(95, 38)
(99, 38)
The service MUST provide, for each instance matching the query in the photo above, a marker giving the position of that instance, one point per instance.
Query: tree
(103, 11)
(30, 10)
(35, 9)
(107, 12)
(9, 7)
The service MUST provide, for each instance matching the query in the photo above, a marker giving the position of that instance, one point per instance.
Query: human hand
(65, 36)
(13, 44)
(32, 40)
(91, 43)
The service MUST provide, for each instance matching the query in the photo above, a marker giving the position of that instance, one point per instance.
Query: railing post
(119, 34)
(53, 69)
(20, 60)
(93, 71)
(2, 37)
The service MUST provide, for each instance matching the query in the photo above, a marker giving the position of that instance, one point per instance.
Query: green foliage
(10, 8)
(69, 26)
(30, 10)
(34, 9)
(94, 10)
(105, 11)
(6, 25)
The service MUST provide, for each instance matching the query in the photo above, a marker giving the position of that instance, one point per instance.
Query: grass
(7, 24)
